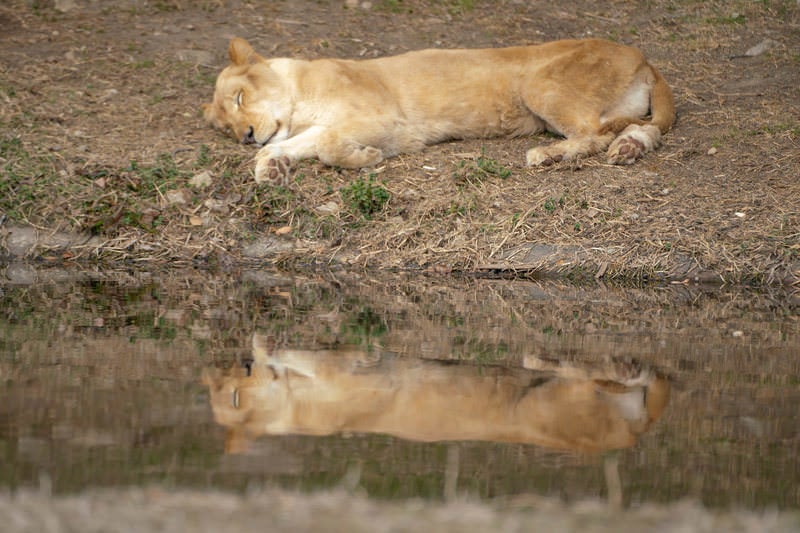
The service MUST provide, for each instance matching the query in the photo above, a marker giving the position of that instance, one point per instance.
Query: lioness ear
(241, 52)
(207, 114)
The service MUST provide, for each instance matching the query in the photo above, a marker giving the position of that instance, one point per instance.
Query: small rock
(712, 151)
(760, 48)
(201, 180)
(65, 5)
(266, 246)
(217, 206)
(328, 208)
(195, 57)
(108, 95)
(177, 197)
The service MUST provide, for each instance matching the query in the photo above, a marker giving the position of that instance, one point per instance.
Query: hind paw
(631, 145)
(626, 151)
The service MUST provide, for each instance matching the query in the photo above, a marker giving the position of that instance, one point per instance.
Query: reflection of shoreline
(154, 509)
(325, 392)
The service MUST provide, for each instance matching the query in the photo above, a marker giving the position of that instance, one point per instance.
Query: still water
(399, 387)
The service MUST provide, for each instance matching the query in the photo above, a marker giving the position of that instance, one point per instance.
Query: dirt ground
(101, 138)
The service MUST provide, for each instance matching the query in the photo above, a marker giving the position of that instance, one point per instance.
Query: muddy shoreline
(161, 509)
(74, 250)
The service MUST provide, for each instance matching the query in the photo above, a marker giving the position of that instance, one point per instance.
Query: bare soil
(101, 135)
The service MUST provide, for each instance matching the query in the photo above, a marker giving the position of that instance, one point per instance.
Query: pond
(399, 386)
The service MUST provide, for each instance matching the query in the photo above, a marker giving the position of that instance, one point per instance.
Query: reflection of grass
(363, 328)
(480, 351)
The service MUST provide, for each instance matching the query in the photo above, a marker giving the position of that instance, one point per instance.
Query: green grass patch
(131, 196)
(551, 204)
(474, 172)
(733, 19)
(365, 196)
(492, 167)
(24, 179)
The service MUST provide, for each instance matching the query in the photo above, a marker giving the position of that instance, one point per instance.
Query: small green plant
(459, 7)
(491, 166)
(162, 175)
(471, 172)
(365, 196)
(551, 204)
(735, 18)
(393, 6)
(274, 203)
(203, 158)
(147, 63)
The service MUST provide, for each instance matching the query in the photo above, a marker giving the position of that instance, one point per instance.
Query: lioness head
(250, 400)
(251, 102)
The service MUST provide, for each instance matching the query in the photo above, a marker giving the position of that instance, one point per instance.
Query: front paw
(273, 168)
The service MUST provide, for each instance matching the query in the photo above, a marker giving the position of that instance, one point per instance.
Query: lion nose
(249, 137)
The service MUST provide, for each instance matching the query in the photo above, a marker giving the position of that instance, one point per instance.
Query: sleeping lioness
(597, 94)
(286, 391)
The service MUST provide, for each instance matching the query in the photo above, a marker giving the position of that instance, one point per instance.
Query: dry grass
(101, 90)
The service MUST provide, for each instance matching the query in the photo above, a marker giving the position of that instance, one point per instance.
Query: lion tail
(662, 104)
(662, 109)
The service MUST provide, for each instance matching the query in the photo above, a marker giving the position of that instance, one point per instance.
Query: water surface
(107, 379)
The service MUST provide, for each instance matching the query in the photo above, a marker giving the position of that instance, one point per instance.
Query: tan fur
(595, 93)
(327, 392)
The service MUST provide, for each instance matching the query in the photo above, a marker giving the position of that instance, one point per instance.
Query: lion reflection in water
(322, 392)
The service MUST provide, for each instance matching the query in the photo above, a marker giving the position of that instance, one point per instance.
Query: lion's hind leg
(569, 149)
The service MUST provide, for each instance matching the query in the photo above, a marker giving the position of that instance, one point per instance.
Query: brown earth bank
(102, 145)
(156, 509)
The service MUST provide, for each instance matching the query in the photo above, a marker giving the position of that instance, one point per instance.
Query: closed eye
(235, 398)
(239, 99)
